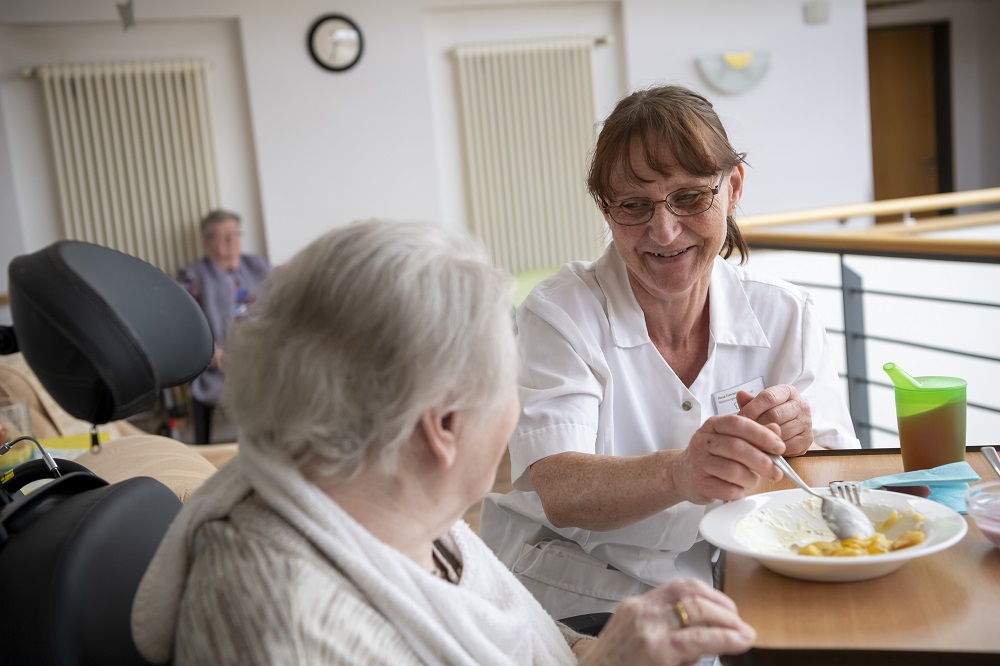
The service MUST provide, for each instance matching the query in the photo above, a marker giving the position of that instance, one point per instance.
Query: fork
(845, 519)
(848, 490)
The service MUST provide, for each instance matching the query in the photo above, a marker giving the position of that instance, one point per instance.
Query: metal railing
(904, 239)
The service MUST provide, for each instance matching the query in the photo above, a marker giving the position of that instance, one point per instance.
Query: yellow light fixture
(734, 71)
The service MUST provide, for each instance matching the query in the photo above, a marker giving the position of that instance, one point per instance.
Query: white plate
(722, 527)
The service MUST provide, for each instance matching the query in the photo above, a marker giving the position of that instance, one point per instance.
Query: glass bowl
(983, 503)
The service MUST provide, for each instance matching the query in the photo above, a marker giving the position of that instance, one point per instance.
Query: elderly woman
(375, 389)
(656, 379)
(224, 282)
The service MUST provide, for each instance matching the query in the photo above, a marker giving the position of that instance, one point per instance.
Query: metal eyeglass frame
(665, 201)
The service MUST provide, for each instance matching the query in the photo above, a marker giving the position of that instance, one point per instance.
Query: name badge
(725, 400)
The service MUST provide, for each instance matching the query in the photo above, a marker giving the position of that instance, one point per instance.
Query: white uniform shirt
(593, 382)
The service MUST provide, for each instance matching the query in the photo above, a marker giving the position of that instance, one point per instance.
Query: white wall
(27, 129)
(805, 127)
(329, 148)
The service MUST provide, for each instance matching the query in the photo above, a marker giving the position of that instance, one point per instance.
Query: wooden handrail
(943, 223)
(884, 207)
(899, 239)
(889, 245)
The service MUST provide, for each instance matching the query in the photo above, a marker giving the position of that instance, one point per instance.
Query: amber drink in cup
(930, 412)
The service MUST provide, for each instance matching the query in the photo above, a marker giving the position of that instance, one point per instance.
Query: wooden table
(939, 609)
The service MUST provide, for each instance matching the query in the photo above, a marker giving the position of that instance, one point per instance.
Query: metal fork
(848, 490)
(844, 518)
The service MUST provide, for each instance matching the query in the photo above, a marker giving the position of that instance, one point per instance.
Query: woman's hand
(673, 625)
(783, 405)
(726, 458)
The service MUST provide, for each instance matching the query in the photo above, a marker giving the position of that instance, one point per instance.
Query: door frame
(941, 75)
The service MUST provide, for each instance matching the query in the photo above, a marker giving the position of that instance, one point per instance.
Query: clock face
(335, 42)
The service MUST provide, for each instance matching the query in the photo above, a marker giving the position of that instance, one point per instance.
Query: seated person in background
(656, 379)
(375, 389)
(224, 282)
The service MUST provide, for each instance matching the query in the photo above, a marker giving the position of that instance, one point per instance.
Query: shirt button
(686, 405)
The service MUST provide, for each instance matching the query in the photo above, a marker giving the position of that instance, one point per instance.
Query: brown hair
(674, 116)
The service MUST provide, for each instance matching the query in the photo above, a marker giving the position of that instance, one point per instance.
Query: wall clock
(335, 42)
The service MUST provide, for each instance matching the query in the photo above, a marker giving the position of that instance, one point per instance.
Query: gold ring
(682, 614)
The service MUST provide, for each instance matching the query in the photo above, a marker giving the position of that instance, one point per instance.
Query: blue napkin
(948, 483)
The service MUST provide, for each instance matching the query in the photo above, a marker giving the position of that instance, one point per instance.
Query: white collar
(731, 318)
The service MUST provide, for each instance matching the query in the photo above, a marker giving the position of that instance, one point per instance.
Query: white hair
(359, 335)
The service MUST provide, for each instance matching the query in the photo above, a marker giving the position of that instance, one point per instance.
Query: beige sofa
(48, 419)
(129, 452)
(180, 467)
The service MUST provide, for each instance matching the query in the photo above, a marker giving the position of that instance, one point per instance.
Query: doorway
(910, 95)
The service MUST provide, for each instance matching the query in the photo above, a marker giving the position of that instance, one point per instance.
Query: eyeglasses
(683, 202)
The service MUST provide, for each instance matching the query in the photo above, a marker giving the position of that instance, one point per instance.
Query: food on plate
(876, 544)
(799, 529)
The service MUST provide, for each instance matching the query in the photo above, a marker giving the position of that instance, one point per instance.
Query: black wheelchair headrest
(104, 331)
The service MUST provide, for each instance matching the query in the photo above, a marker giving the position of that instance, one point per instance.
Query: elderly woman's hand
(783, 405)
(674, 624)
(726, 458)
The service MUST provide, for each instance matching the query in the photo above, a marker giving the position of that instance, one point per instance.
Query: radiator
(527, 125)
(134, 155)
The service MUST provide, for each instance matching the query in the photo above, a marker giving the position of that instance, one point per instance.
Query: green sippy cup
(930, 412)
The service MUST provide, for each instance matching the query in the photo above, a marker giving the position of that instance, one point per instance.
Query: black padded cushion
(589, 624)
(69, 574)
(104, 331)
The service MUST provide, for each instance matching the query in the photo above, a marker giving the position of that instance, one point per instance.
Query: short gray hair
(359, 335)
(214, 217)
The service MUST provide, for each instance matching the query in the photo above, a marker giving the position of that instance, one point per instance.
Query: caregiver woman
(657, 378)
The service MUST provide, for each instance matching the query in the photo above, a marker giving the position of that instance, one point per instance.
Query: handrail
(884, 207)
(888, 245)
(943, 223)
(898, 239)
